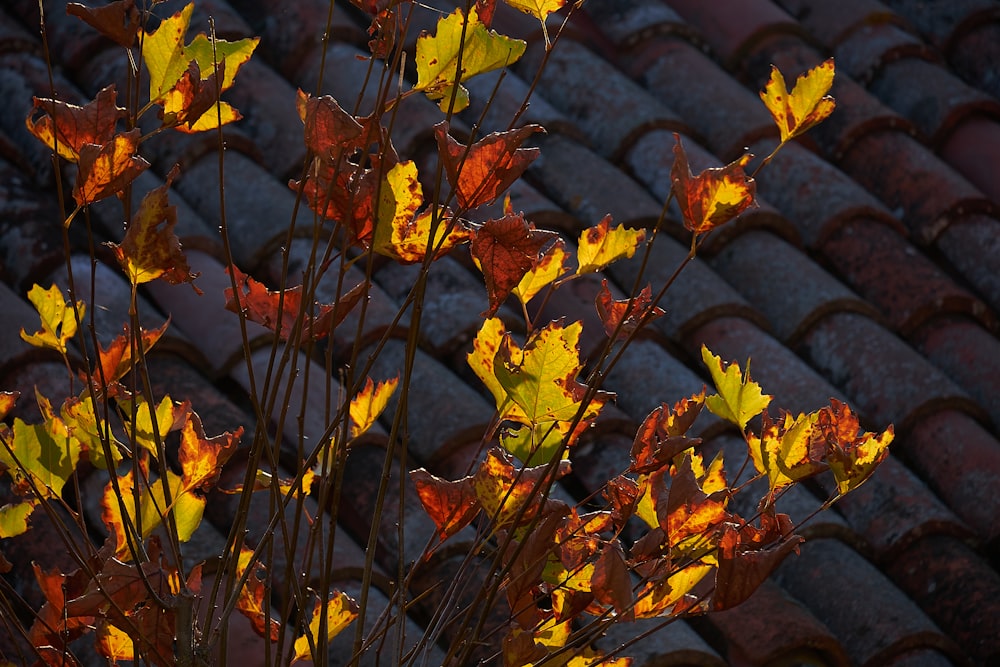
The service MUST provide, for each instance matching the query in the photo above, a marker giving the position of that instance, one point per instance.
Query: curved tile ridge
(629, 23)
(946, 23)
(833, 23)
(614, 114)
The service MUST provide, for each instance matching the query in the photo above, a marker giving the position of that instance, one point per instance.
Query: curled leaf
(622, 317)
(713, 197)
(58, 318)
(806, 105)
(505, 250)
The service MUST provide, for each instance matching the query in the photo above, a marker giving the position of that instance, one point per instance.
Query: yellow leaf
(535, 445)
(481, 361)
(38, 454)
(14, 517)
(601, 245)
(369, 404)
(807, 104)
(58, 319)
(251, 602)
(438, 55)
(852, 454)
(163, 52)
(713, 197)
(233, 54)
(540, 9)
(141, 431)
(659, 598)
(341, 610)
(787, 450)
(113, 643)
(549, 268)
(739, 399)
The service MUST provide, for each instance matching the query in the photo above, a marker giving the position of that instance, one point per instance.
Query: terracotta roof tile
(875, 620)
(18, 314)
(969, 354)
(833, 24)
(674, 644)
(14, 38)
(972, 149)
(903, 282)
(973, 248)
(511, 92)
(871, 47)
(944, 24)
(956, 588)
(919, 658)
(629, 23)
(974, 56)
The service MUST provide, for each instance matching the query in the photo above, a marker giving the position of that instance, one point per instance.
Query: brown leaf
(109, 168)
(506, 250)
(481, 172)
(118, 20)
(329, 130)
(689, 510)
(116, 360)
(662, 434)
(713, 197)
(748, 555)
(626, 315)
(611, 584)
(67, 128)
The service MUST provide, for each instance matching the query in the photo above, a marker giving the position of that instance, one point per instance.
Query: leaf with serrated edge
(601, 245)
(341, 610)
(739, 399)
(713, 197)
(550, 267)
(806, 105)
(369, 404)
(58, 318)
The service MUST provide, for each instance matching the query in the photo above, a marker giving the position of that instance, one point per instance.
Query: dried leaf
(508, 494)
(626, 315)
(601, 245)
(329, 130)
(115, 361)
(107, 169)
(788, 450)
(713, 197)
(118, 20)
(663, 434)
(747, 556)
(369, 404)
(251, 601)
(505, 250)
(202, 458)
(852, 454)
(451, 505)
(341, 610)
(67, 128)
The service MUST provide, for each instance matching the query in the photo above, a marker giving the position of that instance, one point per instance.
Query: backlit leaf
(748, 555)
(713, 197)
(14, 518)
(163, 52)
(788, 450)
(535, 445)
(190, 105)
(139, 426)
(806, 105)
(67, 128)
(508, 493)
(346, 195)
(663, 434)
(118, 20)
(662, 598)
(626, 315)
(341, 610)
(329, 130)
(481, 172)
(611, 584)
(540, 9)
(740, 399)
(150, 249)
(852, 454)
(251, 597)
(35, 453)
(505, 250)
(547, 269)
(202, 458)
(437, 57)
(260, 304)
(83, 424)
(690, 511)
(7, 401)
(58, 319)
(109, 168)
(451, 505)
(369, 404)
(115, 361)
(113, 644)
(601, 245)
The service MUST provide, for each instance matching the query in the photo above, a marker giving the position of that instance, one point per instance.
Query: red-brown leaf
(481, 172)
(328, 128)
(451, 505)
(689, 510)
(662, 434)
(506, 249)
(713, 197)
(108, 169)
(626, 313)
(67, 128)
(346, 195)
(611, 584)
(747, 556)
(116, 360)
(118, 21)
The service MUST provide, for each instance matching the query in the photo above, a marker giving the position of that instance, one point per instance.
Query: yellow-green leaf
(141, 431)
(437, 57)
(341, 610)
(369, 404)
(14, 517)
(45, 458)
(59, 321)
(234, 54)
(852, 454)
(481, 360)
(540, 9)
(806, 105)
(535, 445)
(788, 450)
(601, 245)
(549, 268)
(163, 52)
(740, 399)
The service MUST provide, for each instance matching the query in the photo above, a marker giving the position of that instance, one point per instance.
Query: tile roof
(869, 273)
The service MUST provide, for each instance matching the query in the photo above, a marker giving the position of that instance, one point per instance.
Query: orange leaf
(345, 195)
(451, 505)
(713, 197)
(481, 172)
(689, 510)
(118, 20)
(788, 450)
(506, 492)
(807, 104)
(505, 250)
(260, 305)
(52, 626)
(626, 315)
(202, 458)
(369, 404)
(611, 584)
(108, 169)
(188, 106)
(669, 597)
(329, 130)
(116, 360)
(851, 454)
(67, 128)
(748, 555)
(150, 249)
(112, 643)
(251, 600)
(662, 435)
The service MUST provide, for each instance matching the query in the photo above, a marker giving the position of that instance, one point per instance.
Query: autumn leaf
(251, 597)
(139, 416)
(58, 318)
(116, 360)
(506, 492)
(713, 197)
(438, 56)
(788, 450)
(150, 249)
(202, 458)
(505, 250)
(345, 195)
(369, 404)
(15, 517)
(329, 130)
(481, 172)
(7, 401)
(118, 20)
(691, 510)
(540, 9)
(36, 455)
(451, 505)
(601, 245)
(341, 610)
(624, 316)
(83, 424)
(748, 555)
(611, 584)
(67, 128)
(851, 454)
(740, 399)
(112, 643)
(663, 434)
(188, 106)
(107, 169)
(261, 305)
(807, 105)
(547, 269)
(667, 597)
(402, 234)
